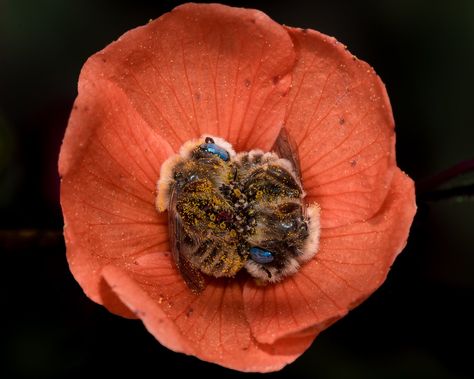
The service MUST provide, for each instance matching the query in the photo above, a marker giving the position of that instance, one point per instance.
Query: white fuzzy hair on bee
(229, 211)
(309, 250)
(167, 168)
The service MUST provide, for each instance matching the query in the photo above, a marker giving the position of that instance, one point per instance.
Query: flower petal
(109, 164)
(340, 116)
(352, 262)
(211, 325)
(205, 69)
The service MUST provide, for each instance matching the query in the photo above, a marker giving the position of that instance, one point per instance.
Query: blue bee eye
(260, 255)
(216, 150)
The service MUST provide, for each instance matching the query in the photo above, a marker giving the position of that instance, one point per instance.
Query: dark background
(419, 324)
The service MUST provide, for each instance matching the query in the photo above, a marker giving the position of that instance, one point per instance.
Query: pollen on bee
(223, 204)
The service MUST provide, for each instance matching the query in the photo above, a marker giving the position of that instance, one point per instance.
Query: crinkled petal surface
(199, 69)
(109, 164)
(237, 74)
(211, 326)
(353, 261)
(205, 69)
(340, 116)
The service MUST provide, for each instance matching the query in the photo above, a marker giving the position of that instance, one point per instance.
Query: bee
(229, 211)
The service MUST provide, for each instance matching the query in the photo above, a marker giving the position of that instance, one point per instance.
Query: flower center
(230, 211)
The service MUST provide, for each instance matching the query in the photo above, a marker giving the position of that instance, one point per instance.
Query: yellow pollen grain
(260, 283)
(212, 217)
(233, 233)
(211, 224)
(222, 225)
(237, 192)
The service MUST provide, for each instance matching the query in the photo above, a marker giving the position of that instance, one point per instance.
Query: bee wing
(181, 248)
(286, 147)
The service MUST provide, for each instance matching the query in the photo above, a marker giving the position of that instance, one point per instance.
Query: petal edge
(353, 261)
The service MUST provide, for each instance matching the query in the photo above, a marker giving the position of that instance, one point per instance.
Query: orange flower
(237, 74)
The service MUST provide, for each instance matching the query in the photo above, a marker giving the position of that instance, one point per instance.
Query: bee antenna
(209, 140)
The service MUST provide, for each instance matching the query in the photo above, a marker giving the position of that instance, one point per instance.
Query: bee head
(210, 149)
(271, 265)
(207, 147)
(278, 241)
(260, 255)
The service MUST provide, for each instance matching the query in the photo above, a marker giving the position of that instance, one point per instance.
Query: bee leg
(267, 272)
(235, 173)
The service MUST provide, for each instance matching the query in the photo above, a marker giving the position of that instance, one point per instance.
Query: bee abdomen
(271, 182)
(217, 260)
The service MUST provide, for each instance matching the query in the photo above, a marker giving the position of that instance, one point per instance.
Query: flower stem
(428, 184)
(427, 188)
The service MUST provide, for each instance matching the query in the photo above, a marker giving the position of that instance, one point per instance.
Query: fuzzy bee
(227, 211)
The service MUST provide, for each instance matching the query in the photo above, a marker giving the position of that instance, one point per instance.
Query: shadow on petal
(112, 302)
(108, 185)
(150, 312)
(211, 326)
